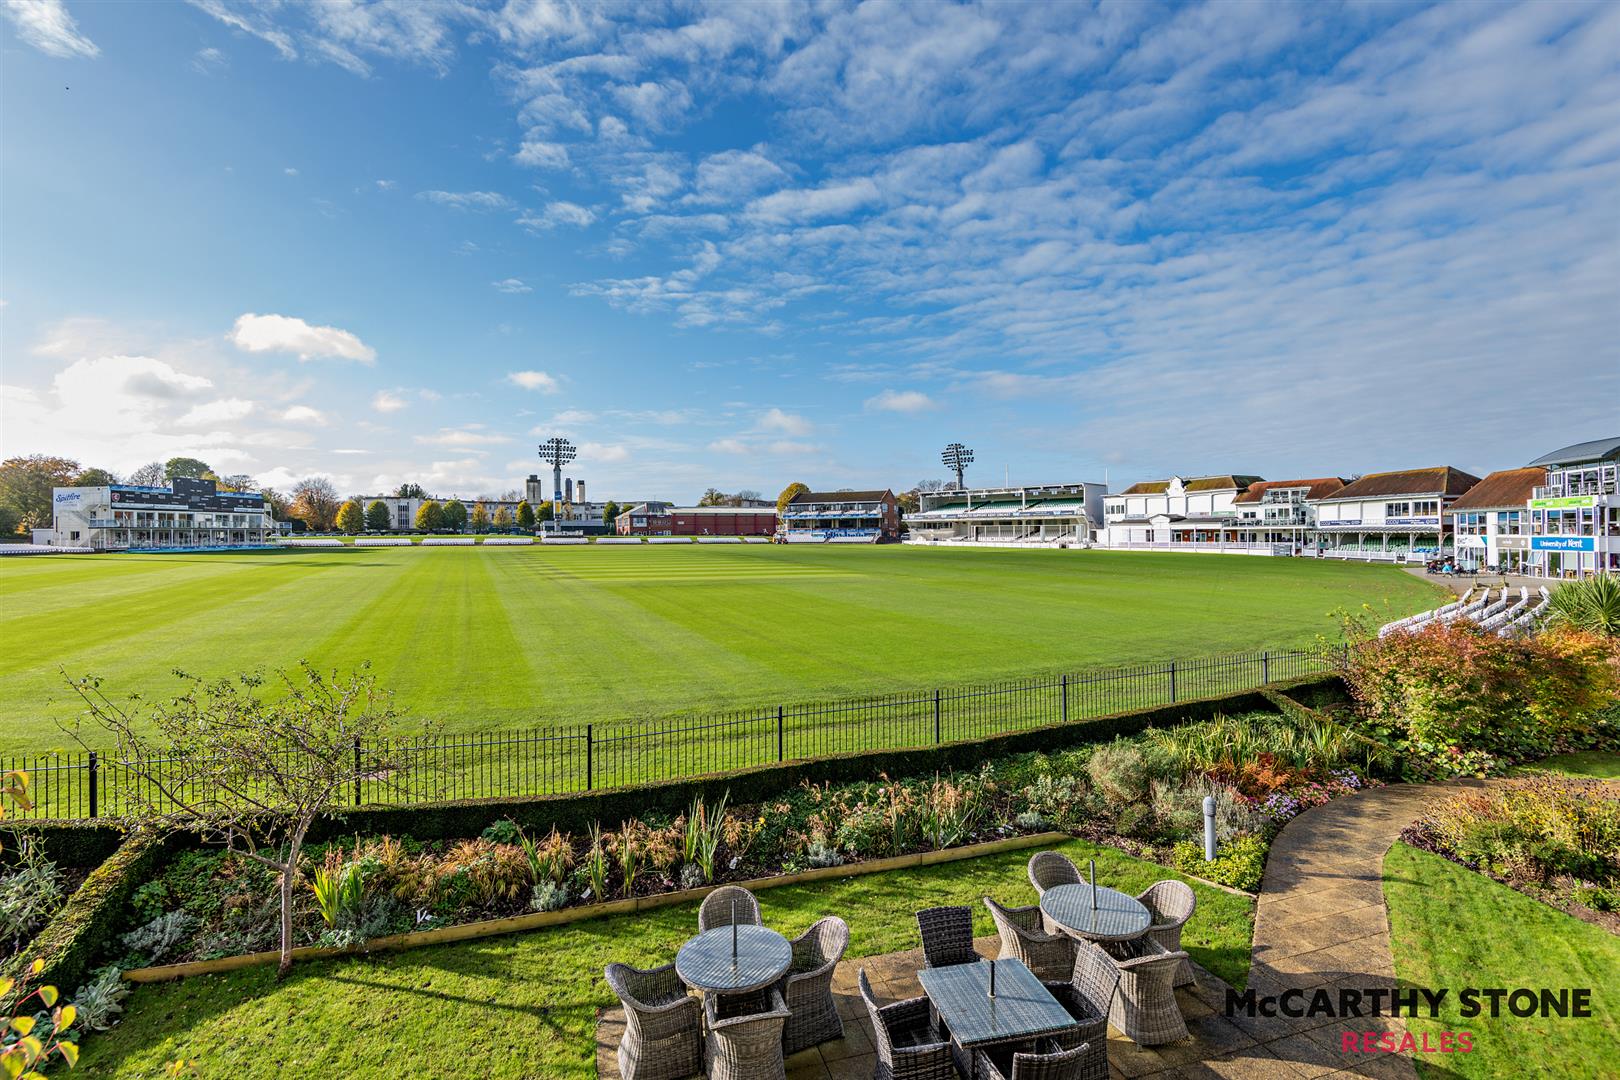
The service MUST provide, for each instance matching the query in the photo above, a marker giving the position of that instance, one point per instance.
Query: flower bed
(1143, 795)
(1553, 838)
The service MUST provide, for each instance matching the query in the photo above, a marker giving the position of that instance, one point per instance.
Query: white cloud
(534, 380)
(47, 26)
(791, 448)
(289, 171)
(468, 436)
(604, 453)
(785, 423)
(730, 446)
(468, 200)
(207, 61)
(284, 333)
(901, 401)
(555, 214)
(303, 414)
(833, 199)
(386, 401)
(511, 285)
(223, 411)
(538, 153)
(385, 185)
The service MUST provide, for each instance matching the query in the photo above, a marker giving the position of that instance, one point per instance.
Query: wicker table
(706, 962)
(1022, 1010)
(1116, 916)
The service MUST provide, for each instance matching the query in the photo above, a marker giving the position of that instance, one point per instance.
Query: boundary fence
(562, 759)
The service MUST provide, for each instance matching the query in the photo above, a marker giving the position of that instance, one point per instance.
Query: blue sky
(744, 244)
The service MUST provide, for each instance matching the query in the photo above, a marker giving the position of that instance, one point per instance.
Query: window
(1397, 510)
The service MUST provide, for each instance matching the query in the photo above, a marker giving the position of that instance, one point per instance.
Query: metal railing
(568, 758)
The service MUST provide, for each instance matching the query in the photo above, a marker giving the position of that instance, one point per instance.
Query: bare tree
(316, 500)
(237, 482)
(149, 475)
(249, 768)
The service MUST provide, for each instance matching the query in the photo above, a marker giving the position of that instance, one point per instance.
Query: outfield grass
(1453, 928)
(1592, 764)
(525, 1005)
(491, 637)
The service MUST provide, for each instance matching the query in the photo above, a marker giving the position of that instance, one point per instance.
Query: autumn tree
(188, 467)
(544, 512)
(377, 519)
(276, 503)
(93, 477)
(453, 516)
(429, 517)
(251, 764)
(525, 515)
(25, 488)
(351, 520)
(789, 493)
(149, 475)
(503, 519)
(316, 500)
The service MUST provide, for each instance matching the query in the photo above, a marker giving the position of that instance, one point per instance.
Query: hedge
(72, 942)
(65, 843)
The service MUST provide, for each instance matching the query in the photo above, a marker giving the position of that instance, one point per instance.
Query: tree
(453, 516)
(503, 519)
(94, 478)
(351, 520)
(316, 501)
(744, 496)
(410, 491)
(276, 503)
(429, 517)
(377, 519)
(25, 487)
(789, 493)
(713, 497)
(525, 515)
(248, 768)
(189, 467)
(149, 475)
(237, 482)
(610, 512)
(480, 518)
(545, 512)
(1591, 604)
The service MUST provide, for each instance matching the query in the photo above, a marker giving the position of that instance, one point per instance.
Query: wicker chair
(1050, 1061)
(1049, 868)
(1087, 996)
(716, 908)
(909, 1047)
(662, 1038)
(1145, 1008)
(1171, 904)
(947, 936)
(1023, 935)
(745, 1035)
(807, 987)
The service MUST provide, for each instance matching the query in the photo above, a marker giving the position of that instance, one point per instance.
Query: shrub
(1445, 690)
(160, 937)
(1178, 808)
(548, 896)
(100, 1000)
(504, 831)
(1240, 864)
(1123, 770)
(30, 893)
(1591, 605)
(820, 855)
(1534, 830)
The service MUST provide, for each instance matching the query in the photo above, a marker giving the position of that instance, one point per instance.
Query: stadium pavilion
(192, 515)
(1049, 515)
(1391, 516)
(841, 517)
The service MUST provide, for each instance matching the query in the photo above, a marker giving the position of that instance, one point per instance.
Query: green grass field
(484, 638)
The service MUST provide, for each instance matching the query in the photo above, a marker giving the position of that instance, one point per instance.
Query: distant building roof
(1593, 450)
(1503, 488)
(1319, 488)
(1196, 483)
(1440, 480)
(752, 510)
(842, 496)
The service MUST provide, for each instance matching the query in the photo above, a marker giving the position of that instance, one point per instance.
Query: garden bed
(1142, 795)
(1553, 838)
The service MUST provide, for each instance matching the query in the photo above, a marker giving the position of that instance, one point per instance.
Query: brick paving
(1320, 923)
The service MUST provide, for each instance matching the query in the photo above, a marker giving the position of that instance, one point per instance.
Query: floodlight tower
(557, 452)
(957, 458)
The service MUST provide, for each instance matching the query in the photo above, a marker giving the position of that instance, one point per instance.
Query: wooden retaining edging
(516, 923)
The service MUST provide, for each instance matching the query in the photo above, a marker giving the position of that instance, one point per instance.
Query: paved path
(1320, 923)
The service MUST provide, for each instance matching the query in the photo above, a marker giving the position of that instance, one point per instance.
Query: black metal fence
(568, 758)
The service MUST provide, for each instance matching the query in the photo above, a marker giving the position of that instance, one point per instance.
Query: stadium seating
(668, 540)
(618, 540)
(508, 541)
(43, 549)
(449, 541)
(384, 541)
(313, 542)
(719, 539)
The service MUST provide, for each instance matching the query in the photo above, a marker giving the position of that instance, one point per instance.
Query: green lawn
(491, 637)
(525, 1005)
(1596, 764)
(1453, 928)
